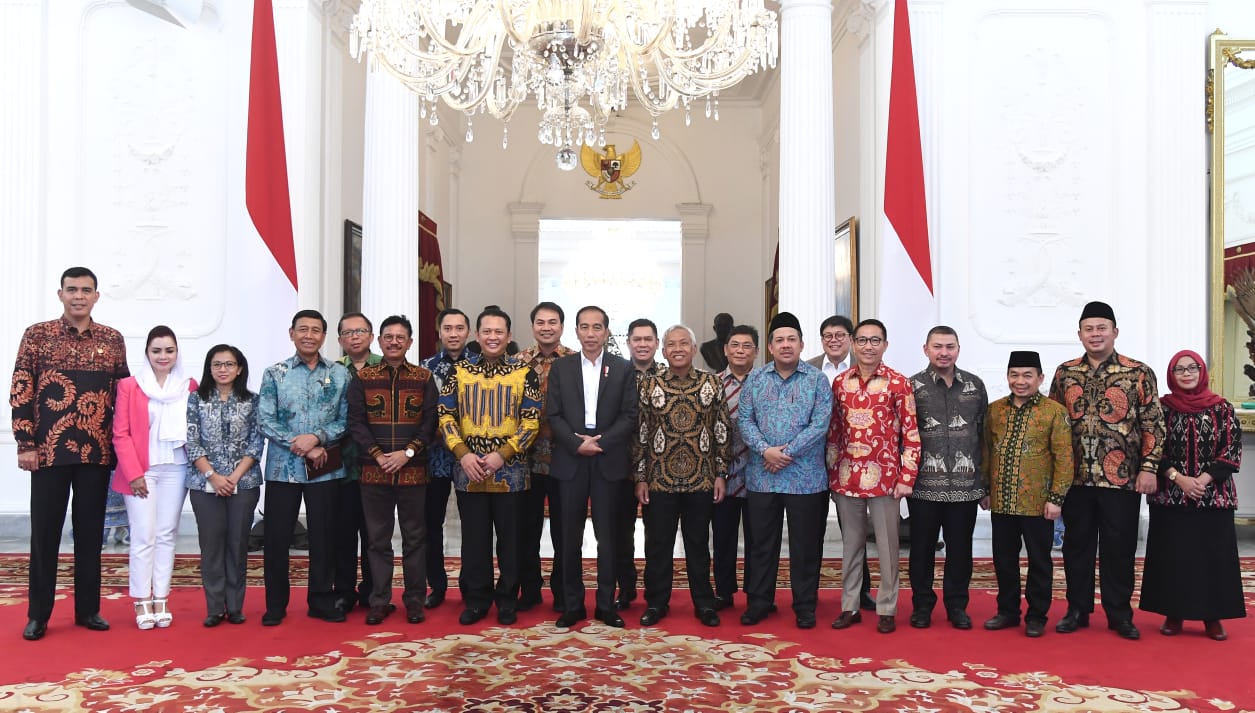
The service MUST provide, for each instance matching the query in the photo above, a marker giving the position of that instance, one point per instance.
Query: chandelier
(579, 59)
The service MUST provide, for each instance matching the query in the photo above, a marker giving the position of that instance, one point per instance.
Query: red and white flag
(907, 304)
(266, 170)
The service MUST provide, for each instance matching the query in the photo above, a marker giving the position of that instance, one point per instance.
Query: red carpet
(678, 666)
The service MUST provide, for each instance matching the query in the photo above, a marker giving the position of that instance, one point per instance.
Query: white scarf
(170, 401)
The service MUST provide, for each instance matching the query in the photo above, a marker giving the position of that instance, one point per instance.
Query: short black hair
(79, 272)
(493, 311)
(353, 315)
(642, 322)
(309, 314)
(746, 330)
(552, 307)
(207, 384)
(397, 319)
(837, 320)
(941, 329)
(450, 311)
(873, 323)
(605, 318)
(158, 332)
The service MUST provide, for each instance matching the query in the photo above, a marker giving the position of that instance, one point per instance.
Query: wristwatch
(1172, 475)
(409, 452)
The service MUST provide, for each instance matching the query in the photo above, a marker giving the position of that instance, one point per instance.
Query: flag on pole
(266, 167)
(908, 306)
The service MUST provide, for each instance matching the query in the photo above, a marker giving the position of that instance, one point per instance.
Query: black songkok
(784, 319)
(1021, 360)
(1098, 309)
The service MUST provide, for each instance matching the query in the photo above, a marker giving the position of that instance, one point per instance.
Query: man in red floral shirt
(873, 460)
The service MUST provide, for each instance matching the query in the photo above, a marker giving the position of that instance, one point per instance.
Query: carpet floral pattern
(594, 669)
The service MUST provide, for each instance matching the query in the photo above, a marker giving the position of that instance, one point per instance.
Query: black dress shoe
(344, 604)
(921, 619)
(213, 620)
(806, 621)
(1072, 621)
(95, 622)
(376, 615)
(470, 615)
(506, 617)
(847, 619)
(570, 619)
(623, 602)
(1171, 627)
(708, 617)
(722, 603)
(887, 624)
(527, 602)
(415, 615)
(1215, 630)
(1034, 629)
(435, 599)
(1125, 629)
(35, 630)
(653, 615)
(272, 618)
(609, 618)
(997, 622)
(959, 619)
(235, 617)
(866, 603)
(752, 616)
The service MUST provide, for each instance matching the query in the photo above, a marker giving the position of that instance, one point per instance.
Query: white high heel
(161, 613)
(144, 617)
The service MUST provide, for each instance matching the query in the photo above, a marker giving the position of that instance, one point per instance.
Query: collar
(71, 329)
(936, 378)
(1032, 401)
(295, 360)
(601, 358)
(667, 375)
(371, 359)
(727, 375)
(882, 372)
(1113, 360)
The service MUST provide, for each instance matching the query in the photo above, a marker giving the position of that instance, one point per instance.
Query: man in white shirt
(835, 332)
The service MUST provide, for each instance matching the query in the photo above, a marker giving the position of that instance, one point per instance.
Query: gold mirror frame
(1226, 349)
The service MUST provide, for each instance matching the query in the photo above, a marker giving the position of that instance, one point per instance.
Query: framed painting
(352, 267)
(845, 269)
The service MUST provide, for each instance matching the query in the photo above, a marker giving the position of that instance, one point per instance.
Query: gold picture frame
(845, 268)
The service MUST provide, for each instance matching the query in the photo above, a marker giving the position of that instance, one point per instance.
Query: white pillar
(525, 227)
(694, 232)
(390, 202)
(807, 185)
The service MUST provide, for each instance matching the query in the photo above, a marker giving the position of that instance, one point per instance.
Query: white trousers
(154, 522)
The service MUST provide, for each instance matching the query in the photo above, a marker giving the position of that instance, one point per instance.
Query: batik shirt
(296, 399)
(951, 419)
(1027, 458)
(352, 468)
(1117, 424)
(1209, 441)
(64, 385)
(224, 432)
(790, 412)
(682, 441)
(440, 461)
(873, 442)
(542, 449)
(740, 453)
(491, 406)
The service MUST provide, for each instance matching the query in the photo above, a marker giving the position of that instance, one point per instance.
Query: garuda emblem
(610, 169)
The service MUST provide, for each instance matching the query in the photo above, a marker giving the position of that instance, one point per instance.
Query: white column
(694, 231)
(390, 201)
(525, 228)
(807, 193)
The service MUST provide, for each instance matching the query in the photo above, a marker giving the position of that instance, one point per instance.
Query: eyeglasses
(358, 332)
(223, 365)
(864, 341)
(1182, 370)
(835, 336)
(393, 338)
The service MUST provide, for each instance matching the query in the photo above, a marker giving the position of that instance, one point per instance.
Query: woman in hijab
(1192, 570)
(150, 438)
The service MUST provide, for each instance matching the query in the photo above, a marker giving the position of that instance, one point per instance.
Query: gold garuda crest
(610, 169)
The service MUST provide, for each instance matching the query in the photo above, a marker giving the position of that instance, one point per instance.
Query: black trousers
(350, 545)
(625, 567)
(50, 494)
(435, 507)
(531, 528)
(482, 514)
(222, 526)
(730, 516)
(606, 498)
(808, 518)
(692, 513)
(383, 505)
(1037, 534)
(956, 521)
(1102, 523)
(283, 505)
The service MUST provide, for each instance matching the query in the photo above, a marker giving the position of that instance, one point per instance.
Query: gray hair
(674, 327)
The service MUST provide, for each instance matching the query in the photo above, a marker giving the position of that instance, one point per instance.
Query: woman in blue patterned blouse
(224, 446)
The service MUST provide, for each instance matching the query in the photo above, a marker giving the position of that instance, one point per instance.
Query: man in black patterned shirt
(682, 455)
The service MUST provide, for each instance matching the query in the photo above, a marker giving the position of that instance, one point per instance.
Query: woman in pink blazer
(150, 437)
